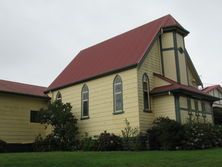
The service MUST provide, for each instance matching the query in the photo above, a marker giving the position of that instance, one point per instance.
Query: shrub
(202, 136)
(88, 143)
(109, 142)
(63, 122)
(49, 143)
(166, 134)
(3, 146)
(217, 135)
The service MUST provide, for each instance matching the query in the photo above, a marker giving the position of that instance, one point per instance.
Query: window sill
(83, 118)
(147, 111)
(118, 112)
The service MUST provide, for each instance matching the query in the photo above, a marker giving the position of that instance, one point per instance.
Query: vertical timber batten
(176, 57)
(177, 108)
(161, 55)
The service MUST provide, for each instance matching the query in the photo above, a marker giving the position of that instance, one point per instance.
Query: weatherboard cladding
(122, 51)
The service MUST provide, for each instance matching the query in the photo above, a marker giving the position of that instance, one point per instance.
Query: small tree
(132, 139)
(64, 127)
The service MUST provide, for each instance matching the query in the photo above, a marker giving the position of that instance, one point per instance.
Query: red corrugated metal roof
(116, 53)
(210, 88)
(23, 89)
(175, 86)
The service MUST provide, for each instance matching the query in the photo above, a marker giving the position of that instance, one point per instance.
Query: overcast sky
(38, 38)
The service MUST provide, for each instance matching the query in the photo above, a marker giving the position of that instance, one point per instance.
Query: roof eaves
(179, 29)
(194, 93)
(93, 77)
(25, 94)
(187, 92)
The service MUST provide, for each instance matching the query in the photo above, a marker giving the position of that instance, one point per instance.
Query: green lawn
(205, 158)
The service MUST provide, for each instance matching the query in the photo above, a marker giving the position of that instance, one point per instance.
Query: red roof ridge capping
(174, 86)
(22, 89)
(210, 88)
(118, 53)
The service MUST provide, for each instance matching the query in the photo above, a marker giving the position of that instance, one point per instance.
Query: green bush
(88, 143)
(64, 125)
(109, 142)
(166, 134)
(218, 135)
(3, 145)
(202, 136)
(49, 143)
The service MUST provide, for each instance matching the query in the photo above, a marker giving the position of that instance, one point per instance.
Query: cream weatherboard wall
(101, 117)
(169, 65)
(191, 79)
(15, 125)
(182, 59)
(164, 106)
(167, 40)
(151, 64)
(174, 58)
(190, 111)
(168, 55)
(216, 93)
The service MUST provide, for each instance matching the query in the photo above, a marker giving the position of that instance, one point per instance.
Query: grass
(203, 158)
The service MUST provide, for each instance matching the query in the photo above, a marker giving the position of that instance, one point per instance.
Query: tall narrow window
(118, 94)
(85, 102)
(59, 97)
(146, 93)
(196, 108)
(203, 105)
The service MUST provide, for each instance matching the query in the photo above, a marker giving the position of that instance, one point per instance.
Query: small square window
(34, 117)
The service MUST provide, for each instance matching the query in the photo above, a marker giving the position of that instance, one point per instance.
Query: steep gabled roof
(22, 89)
(176, 87)
(123, 51)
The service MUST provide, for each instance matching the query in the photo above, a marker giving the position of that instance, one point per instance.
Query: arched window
(59, 97)
(118, 94)
(146, 93)
(85, 102)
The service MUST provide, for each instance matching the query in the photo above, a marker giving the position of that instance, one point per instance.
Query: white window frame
(85, 90)
(115, 93)
(145, 76)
